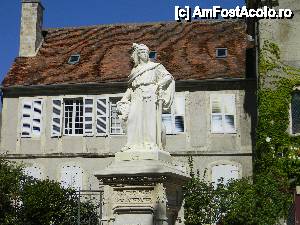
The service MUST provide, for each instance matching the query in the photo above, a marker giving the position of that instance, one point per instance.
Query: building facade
(59, 97)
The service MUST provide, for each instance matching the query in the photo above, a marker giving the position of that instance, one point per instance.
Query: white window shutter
(72, 176)
(225, 172)
(179, 112)
(37, 117)
(33, 171)
(229, 113)
(167, 121)
(216, 114)
(102, 116)
(216, 104)
(88, 116)
(57, 111)
(26, 121)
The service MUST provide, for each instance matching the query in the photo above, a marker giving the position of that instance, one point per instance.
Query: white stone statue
(150, 90)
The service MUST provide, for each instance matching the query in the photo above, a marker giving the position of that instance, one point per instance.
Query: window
(174, 120)
(73, 116)
(31, 122)
(97, 115)
(115, 123)
(152, 56)
(223, 113)
(221, 52)
(71, 176)
(295, 113)
(74, 59)
(33, 171)
(224, 172)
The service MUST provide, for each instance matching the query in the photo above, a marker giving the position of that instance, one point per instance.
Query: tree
(10, 184)
(24, 200)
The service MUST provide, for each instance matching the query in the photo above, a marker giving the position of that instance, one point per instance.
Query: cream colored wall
(50, 153)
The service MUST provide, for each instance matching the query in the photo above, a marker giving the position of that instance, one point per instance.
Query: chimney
(31, 27)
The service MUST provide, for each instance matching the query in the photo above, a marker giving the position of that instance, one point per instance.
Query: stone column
(143, 189)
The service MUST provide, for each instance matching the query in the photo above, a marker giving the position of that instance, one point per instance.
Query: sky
(73, 13)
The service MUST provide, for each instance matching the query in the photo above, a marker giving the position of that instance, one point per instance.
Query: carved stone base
(143, 191)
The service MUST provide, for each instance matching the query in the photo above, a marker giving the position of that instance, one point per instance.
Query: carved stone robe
(138, 107)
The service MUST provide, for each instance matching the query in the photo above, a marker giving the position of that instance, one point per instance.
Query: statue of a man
(150, 90)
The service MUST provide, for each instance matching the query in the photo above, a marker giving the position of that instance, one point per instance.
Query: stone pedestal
(143, 188)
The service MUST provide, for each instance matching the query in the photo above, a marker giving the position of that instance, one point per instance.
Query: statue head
(140, 53)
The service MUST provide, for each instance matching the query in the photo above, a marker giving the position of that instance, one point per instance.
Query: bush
(27, 201)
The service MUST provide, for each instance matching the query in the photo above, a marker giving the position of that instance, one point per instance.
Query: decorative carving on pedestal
(132, 197)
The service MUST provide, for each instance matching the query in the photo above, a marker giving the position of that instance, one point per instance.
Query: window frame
(110, 117)
(73, 116)
(223, 114)
(221, 57)
(70, 62)
(153, 59)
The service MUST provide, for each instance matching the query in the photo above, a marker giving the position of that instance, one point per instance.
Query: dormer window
(74, 59)
(152, 56)
(221, 52)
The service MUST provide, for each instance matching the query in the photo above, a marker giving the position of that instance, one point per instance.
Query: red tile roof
(187, 50)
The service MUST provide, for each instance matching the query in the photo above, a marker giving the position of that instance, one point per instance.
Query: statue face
(143, 55)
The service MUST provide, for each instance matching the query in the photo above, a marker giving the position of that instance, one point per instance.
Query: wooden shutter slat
(37, 117)
(102, 116)
(26, 118)
(57, 108)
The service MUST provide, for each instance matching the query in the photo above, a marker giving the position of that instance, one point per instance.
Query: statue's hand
(123, 108)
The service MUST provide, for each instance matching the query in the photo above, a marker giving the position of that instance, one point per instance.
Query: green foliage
(240, 202)
(267, 197)
(260, 203)
(27, 201)
(10, 177)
